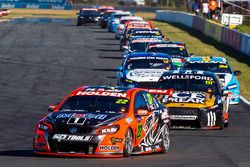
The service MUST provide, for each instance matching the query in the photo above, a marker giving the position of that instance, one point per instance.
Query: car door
(148, 126)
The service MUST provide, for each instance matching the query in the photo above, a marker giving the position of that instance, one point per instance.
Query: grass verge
(48, 13)
(199, 44)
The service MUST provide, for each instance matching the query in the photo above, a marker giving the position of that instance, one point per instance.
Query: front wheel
(165, 139)
(128, 143)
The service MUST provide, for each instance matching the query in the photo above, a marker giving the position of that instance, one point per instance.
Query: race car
(87, 15)
(114, 20)
(139, 43)
(143, 70)
(195, 99)
(103, 22)
(221, 67)
(131, 26)
(104, 121)
(176, 50)
(121, 25)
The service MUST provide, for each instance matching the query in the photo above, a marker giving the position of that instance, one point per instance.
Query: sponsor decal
(129, 120)
(206, 61)
(116, 140)
(183, 117)
(145, 40)
(99, 93)
(187, 76)
(149, 58)
(186, 97)
(109, 148)
(139, 131)
(167, 45)
(65, 137)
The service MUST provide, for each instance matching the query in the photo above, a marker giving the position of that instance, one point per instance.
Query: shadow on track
(109, 39)
(110, 44)
(110, 57)
(17, 153)
(105, 70)
(108, 50)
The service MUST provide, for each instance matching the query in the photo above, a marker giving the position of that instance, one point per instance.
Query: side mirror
(119, 68)
(77, 13)
(237, 73)
(191, 54)
(52, 108)
(125, 47)
(142, 112)
(163, 36)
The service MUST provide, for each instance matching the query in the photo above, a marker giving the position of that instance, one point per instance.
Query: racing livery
(102, 121)
(221, 67)
(114, 20)
(176, 50)
(195, 99)
(143, 69)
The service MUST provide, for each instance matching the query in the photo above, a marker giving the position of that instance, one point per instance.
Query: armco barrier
(199, 23)
(245, 44)
(213, 30)
(233, 38)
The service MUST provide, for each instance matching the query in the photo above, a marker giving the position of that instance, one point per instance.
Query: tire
(128, 143)
(165, 139)
(78, 24)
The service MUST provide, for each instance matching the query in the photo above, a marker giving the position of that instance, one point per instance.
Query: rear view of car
(221, 67)
(195, 99)
(177, 51)
(103, 121)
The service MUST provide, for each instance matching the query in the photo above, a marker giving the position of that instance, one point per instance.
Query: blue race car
(221, 67)
(114, 20)
(143, 70)
(176, 50)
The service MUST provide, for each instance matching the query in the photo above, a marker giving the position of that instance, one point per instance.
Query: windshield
(119, 16)
(213, 67)
(172, 51)
(139, 46)
(142, 63)
(178, 82)
(100, 104)
(89, 12)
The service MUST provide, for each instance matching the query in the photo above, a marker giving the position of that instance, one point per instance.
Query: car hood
(84, 118)
(190, 99)
(145, 75)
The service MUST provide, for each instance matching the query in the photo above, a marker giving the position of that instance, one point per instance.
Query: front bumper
(192, 118)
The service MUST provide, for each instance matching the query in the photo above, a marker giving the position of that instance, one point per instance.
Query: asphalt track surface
(40, 62)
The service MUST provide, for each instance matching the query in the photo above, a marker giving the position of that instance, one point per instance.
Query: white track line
(245, 100)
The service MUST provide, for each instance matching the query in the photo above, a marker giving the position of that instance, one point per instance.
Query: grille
(183, 111)
(66, 129)
(146, 84)
(76, 147)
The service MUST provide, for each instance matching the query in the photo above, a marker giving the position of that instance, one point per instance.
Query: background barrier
(233, 38)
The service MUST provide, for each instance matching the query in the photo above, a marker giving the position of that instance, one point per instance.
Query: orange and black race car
(103, 121)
